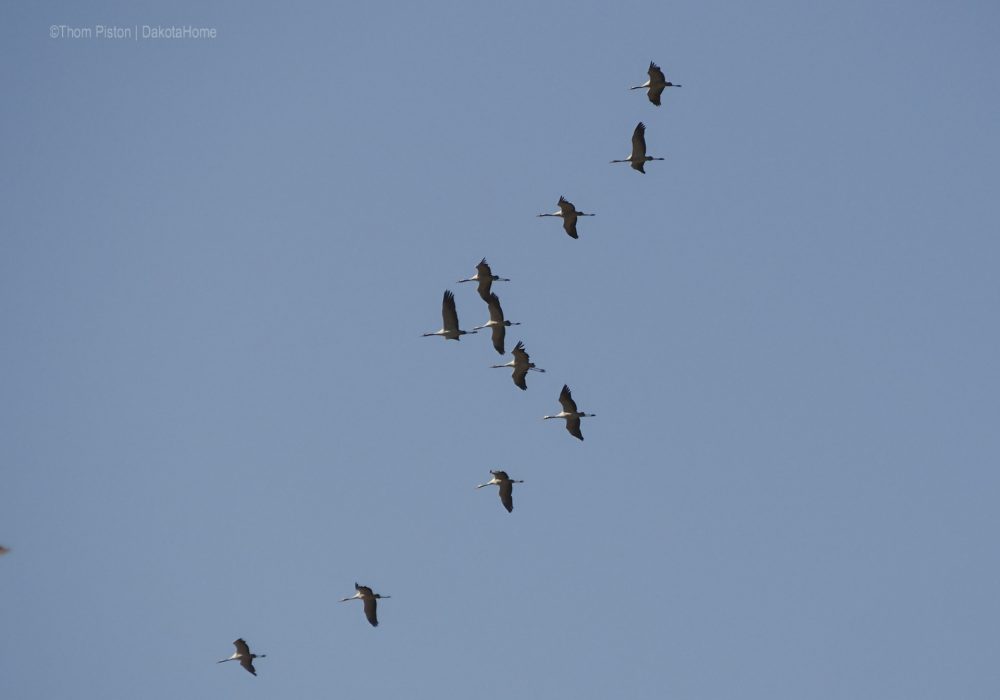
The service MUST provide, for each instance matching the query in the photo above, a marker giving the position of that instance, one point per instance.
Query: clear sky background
(217, 258)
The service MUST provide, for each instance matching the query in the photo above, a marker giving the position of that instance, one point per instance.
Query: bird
(485, 277)
(370, 599)
(521, 364)
(497, 323)
(245, 657)
(570, 413)
(638, 157)
(4, 550)
(506, 485)
(656, 84)
(568, 213)
(450, 329)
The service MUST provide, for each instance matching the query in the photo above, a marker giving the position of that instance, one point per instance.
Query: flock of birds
(520, 364)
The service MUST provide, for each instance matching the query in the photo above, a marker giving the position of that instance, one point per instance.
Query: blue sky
(217, 257)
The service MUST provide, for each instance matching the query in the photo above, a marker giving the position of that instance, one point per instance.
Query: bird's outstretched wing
(448, 312)
(566, 400)
(371, 605)
(573, 426)
(569, 225)
(499, 334)
(519, 353)
(496, 311)
(484, 286)
(506, 494)
(519, 376)
(639, 142)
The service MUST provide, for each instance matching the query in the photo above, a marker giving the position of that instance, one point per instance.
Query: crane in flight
(243, 655)
(485, 277)
(370, 599)
(506, 485)
(521, 364)
(449, 329)
(568, 213)
(570, 413)
(638, 157)
(656, 84)
(497, 323)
